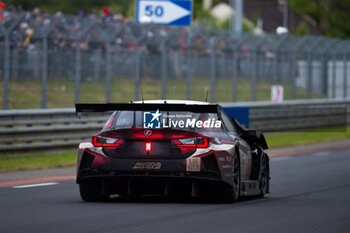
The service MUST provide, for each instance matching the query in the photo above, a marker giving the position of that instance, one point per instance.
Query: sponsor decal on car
(225, 159)
(192, 123)
(227, 166)
(193, 164)
(221, 159)
(147, 165)
(151, 120)
(155, 120)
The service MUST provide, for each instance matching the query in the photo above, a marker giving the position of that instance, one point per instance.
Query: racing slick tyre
(264, 176)
(92, 191)
(232, 192)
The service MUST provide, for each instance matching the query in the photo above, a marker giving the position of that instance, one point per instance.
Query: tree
(302, 29)
(331, 16)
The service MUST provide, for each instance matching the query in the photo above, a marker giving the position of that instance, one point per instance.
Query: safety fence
(33, 131)
(56, 60)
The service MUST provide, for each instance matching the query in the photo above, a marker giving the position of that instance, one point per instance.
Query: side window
(124, 119)
(110, 120)
(227, 122)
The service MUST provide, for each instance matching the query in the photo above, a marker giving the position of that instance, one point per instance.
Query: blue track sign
(166, 12)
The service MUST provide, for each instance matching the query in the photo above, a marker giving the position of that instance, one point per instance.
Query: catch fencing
(33, 131)
(56, 60)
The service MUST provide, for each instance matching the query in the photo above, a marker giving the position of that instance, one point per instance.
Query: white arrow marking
(33, 185)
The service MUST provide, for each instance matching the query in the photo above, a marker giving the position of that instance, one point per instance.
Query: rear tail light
(198, 142)
(105, 141)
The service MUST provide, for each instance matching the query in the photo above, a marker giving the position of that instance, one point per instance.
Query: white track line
(281, 158)
(33, 185)
(322, 153)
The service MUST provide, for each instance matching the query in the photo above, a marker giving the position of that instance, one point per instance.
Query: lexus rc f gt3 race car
(171, 148)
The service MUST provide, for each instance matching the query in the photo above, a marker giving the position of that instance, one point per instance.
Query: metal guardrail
(28, 131)
(33, 131)
(297, 114)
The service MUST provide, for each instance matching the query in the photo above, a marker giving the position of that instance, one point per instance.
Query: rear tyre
(236, 177)
(92, 191)
(232, 192)
(264, 176)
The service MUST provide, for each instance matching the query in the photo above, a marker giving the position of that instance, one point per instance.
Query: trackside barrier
(295, 114)
(48, 130)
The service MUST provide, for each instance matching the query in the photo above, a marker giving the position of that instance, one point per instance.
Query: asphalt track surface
(309, 193)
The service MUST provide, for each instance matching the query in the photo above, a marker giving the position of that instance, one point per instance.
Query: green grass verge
(27, 94)
(276, 140)
(35, 162)
(68, 159)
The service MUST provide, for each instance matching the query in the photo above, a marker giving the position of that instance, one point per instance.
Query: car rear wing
(196, 108)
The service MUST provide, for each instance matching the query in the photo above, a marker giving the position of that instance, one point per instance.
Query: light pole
(236, 22)
(285, 12)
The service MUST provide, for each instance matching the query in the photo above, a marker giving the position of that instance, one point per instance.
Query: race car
(171, 148)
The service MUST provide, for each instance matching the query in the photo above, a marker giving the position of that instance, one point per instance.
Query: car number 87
(150, 10)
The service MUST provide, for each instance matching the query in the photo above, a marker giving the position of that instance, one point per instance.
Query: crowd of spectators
(63, 35)
(26, 42)
(38, 20)
(106, 15)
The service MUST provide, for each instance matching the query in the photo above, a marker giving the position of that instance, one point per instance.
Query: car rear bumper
(88, 174)
(158, 183)
(146, 176)
(94, 165)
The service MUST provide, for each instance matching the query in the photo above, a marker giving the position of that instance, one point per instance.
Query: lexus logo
(147, 133)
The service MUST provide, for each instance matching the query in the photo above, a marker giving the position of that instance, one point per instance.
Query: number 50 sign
(174, 12)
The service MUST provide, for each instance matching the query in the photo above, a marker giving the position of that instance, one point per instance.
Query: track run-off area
(309, 193)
